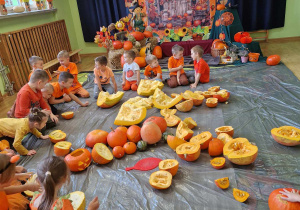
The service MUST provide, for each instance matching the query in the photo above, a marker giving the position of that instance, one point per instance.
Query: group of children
(34, 110)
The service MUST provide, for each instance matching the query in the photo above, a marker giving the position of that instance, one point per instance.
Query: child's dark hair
(50, 173)
(9, 172)
(64, 76)
(36, 115)
(130, 53)
(39, 75)
(102, 60)
(177, 48)
(198, 49)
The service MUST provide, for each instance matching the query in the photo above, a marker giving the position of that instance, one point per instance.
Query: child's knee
(126, 87)
(134, 87)
(172, 83)
(85, 94)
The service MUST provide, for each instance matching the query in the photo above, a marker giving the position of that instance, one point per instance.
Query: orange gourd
(116, 138)
(218, 163)
(215, 147)
(117, 45)
(160, 180)
(141, 61)
(96, 136)
(185, 106)
(188, 151)
(240, 195)
(62, 148)
(222, 95)
(57, 136)
(183, 131)
(118, 152)
(225, 129)
(78, 160)
(286, 135)
(67, 115)
(174, 141)
(151, 133)
(127, 45)
(157, 51)
(203, 139)
(137, 35)
(220, 6)
(161, 122)
(172, 120)
(273, 60)
(134, 133)
(211, 102)
(130, 148)
(148, 34)
(101, 154)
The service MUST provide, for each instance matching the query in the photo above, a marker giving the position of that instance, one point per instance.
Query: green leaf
(186, 38)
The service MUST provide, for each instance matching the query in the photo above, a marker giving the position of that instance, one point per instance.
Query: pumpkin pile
(243, 37)
(147, 87)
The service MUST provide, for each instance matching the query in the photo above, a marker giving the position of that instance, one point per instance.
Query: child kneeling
(131, 72)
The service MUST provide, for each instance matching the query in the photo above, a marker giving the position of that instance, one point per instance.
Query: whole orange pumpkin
(151, 133)
(273, 60)
(246, 40)
(137, 35)
(117, 45)
(161, 122)
(79, 159)
(116, 138)
(157, 51)
(220, 6)
(96, 136)
(148, 34)
(127, 45)
(217, 23)
(215, 147)
(276, 203)
(141, 61)
(134, 133)
(222, 36)
(219, 45)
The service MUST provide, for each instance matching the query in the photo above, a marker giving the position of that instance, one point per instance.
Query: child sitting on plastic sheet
(153, 70)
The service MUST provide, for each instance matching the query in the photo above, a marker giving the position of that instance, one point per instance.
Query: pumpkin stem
(112, 129)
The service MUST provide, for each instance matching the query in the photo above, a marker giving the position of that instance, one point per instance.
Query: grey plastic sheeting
(262, 97)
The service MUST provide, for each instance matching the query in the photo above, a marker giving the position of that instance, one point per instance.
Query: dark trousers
(172, 82)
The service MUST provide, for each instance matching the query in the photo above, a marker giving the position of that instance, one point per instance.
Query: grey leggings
(106, 88)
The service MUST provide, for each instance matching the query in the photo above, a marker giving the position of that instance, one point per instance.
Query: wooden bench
(45, 40)
(259, 38)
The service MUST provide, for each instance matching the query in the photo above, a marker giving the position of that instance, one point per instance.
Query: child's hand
(193, 85)
(23, 176)
(178, 81)
(85, 104)
(44, 137)
(53, 118)
(31, 152)
(56, 72)
(46, 111)
(180, 67)
(94, 204)
(33, 187)
(292, 196)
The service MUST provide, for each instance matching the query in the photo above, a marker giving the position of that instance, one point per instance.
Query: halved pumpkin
(203, 139)
(224, 137)
(185, 106)
(222, 95)
(57, 136)
(139, 101)
(106, 100)
(67, 115)
(79, 159)
(218, 162)
(183, 131)
(167, 111)
(62, 148)
(170, 165)
(78, 200)
(130, 114)
(172, 120)
(240, 151)
(162, 101)
(174, 141)
(214, 89)
(211, 102)
(188, 151)
(197, 98)
(31, 180)
(286, 135)
(225, 129)
(222, 183)
(147, 87)
(101, 154)
(190, 122)
(240, 195)
(208, 94)
(160, 180)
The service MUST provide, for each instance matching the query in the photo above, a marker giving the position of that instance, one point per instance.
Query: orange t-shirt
(57, 91)
(49, 75)
(174, 63)
(72, 69)
(103, 76)
(202, 68)
(3, 200)
(152, 72)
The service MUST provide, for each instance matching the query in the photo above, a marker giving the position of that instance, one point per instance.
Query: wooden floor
(288, 49)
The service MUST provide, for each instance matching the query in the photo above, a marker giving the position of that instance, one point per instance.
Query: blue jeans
(106, 88)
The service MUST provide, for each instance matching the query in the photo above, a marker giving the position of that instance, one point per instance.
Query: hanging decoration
(227, 18)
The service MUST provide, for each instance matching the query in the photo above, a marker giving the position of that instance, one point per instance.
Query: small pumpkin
(215, 147)
(57, 136)
(151, 133)
(157, 51)
(222, 183)
(67, 115)
(118, 152)
(160, 180)
(217, 23)
(141, 146)
(78, 200)
(165, 136)
(172, 120)
(148, 34)
(170, 165)
(122, 128)
(117, 45)
(277, 203)
(211, 102)
(96, 136)
(161, 122)
(225, 129)
(165, 112)
(246, 40)
(183, 131)
(78, 160)
(220, 6)
(273, 60)
(190, 122)
(141, 61)
(127, 45)
(106, 100)
(174, 141)
(62, 148)
(188, 151)
(130, 148)
(101, 154)
(116, 138)
(222, 36)
(203, 139)
(137, 35)
(185, 106)
(208, 94)
(134, 133)
(286, 135)
(218, 162)
(162, 101)
(240, 195)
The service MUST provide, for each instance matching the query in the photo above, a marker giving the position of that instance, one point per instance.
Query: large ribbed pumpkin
(157, 51)
(151, 133)
(276, 203)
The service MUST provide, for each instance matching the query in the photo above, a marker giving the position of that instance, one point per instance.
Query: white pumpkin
(18, 9)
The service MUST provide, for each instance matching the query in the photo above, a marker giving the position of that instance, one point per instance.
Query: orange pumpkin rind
(78, 160)
(57, 136)
(183, 131)
(286, 135)
(174, 141)
(170, 165)
(203, 139)
(160, 180)
(225, 129)
(62, 148)
(222, 183)
(185, 106)
(222, 95)
(211, 102)
(188, 151)
(147, 87)
(101, 154)
(240, 195)
(218, 162)
(106, 100)
(162, 101)
(67, 115)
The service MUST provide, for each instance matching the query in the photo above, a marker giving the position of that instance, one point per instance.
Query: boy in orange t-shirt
(61, 90)
(37, 62)
(103, 76)
(67, 66)
(175, 66)
(201, 67)
(153, 70)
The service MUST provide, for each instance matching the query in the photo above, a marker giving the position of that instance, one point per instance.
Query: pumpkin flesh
(197, 98)
(139, 101)
(218, 163)
(203, 139)
(170, 165)
(130, 114)
(62, 148)
(165, 112)
(225, 129)
(78, 200)
(147, 87)
(67, 115)
(188, 151)
(162, 101)
(185, 106)
(101, 154)
(106, 100)
(57, 136)
(286, 135)
(240, 195)
(183, 131)
(222, 183)
(172, 120)
(222, 95)
(190, 122)
(160, 180)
